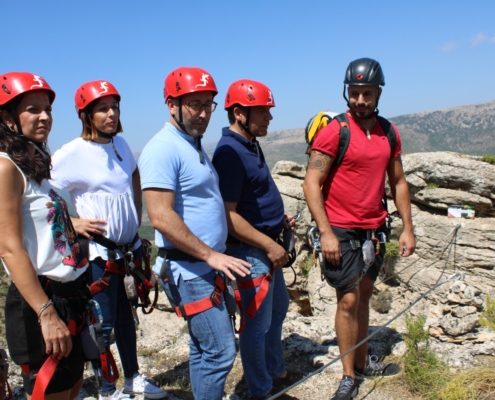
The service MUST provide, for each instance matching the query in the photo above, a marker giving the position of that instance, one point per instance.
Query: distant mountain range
(466, 129)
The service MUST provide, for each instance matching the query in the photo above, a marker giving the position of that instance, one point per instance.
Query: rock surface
(457, 254)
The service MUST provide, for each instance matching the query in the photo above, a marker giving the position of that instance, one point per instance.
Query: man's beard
(368, 113)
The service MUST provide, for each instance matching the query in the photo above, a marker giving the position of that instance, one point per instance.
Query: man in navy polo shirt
(255, 218)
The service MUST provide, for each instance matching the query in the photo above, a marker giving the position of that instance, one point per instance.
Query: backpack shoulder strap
(344, 138)
(390, 132)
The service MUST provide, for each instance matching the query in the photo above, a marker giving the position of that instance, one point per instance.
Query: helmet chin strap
(183, 128)
(245, 126)
(109, 136)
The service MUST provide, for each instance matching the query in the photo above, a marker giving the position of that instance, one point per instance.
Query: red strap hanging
(43, 378)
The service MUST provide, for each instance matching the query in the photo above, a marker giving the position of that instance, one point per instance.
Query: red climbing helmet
(249, 93)
(91, 91)
(13, 84)
(185, 80)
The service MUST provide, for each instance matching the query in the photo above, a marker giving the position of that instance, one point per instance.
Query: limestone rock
(436, 331)
(442, 198)
(461, 312)
(452, 171)
(289, 168)
(458, 326)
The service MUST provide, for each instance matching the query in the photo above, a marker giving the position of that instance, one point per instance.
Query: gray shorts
(351, 262)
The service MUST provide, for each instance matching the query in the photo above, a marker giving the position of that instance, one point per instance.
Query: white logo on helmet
(38, 79)
(203, 79)
(270, 97)
(104, 86)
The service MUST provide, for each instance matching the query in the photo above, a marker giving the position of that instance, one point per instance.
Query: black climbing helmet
(364, 71)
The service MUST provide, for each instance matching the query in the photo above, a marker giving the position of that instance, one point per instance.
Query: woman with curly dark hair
(38, 246)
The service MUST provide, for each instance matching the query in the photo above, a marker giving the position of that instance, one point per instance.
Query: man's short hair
(230, 112)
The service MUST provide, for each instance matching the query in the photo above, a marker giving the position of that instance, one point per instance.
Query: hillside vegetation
(466, 129)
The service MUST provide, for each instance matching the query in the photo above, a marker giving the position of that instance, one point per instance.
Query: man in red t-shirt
(346, 203)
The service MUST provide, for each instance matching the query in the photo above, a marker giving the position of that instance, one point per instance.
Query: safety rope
(455, 229)
(458, 276)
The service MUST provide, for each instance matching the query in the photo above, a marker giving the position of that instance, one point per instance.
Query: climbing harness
(222, 286)
(138, 276)
(455, 276)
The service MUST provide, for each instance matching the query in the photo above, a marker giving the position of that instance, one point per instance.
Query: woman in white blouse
(99, 171)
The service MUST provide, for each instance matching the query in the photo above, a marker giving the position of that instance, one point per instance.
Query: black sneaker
(375, 368)
(348, 389)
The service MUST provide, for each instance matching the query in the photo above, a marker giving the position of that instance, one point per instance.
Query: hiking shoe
(374, 368)
(117, 395)
(140, 385)
(348, 389)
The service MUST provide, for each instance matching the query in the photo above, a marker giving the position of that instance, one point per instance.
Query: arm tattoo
(320, 162)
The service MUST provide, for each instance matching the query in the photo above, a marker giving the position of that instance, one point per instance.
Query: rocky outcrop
(440, 179)
(444, 246)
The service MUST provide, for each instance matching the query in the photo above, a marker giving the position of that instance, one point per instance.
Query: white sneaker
(139, 385)
(117, 395)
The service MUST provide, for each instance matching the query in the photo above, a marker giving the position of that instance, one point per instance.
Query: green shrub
(308, 263)
(432, 185)
(425, 373)
(487, 317)
(392, 249)
(488, 158)
(477, 383)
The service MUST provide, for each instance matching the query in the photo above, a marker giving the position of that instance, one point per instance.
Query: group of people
(213, 220)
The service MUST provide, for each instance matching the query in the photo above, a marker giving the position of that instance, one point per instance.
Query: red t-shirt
(353, 191)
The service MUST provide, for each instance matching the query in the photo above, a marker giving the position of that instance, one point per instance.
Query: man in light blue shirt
(186, 209)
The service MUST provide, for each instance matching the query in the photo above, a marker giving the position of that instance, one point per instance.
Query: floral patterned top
(48, 235)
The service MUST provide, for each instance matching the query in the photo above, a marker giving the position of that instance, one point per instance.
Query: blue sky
(435, 54)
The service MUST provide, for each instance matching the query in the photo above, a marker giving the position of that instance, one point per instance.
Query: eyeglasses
(197, 106)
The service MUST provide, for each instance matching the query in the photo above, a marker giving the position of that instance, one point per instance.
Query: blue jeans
(261, 341)
(117, 315)
(212, 345)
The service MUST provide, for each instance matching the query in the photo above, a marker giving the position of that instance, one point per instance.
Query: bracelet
(43, 308)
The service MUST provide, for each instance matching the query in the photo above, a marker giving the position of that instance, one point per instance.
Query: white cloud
(492, 39)
(479, 38)
(449, 46)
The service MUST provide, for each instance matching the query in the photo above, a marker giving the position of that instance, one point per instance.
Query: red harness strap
(109, 367)
(104, 280)
(186, 310)
(45, 373)
(43, 378)
(263, 282)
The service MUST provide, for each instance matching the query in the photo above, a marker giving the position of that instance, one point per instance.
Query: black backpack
(323, 118)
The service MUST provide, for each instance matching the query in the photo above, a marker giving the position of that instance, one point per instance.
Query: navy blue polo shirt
(245, 179)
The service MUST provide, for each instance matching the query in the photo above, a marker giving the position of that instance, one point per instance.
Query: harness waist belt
(176, 255)
(110, 244)
(353, 244)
